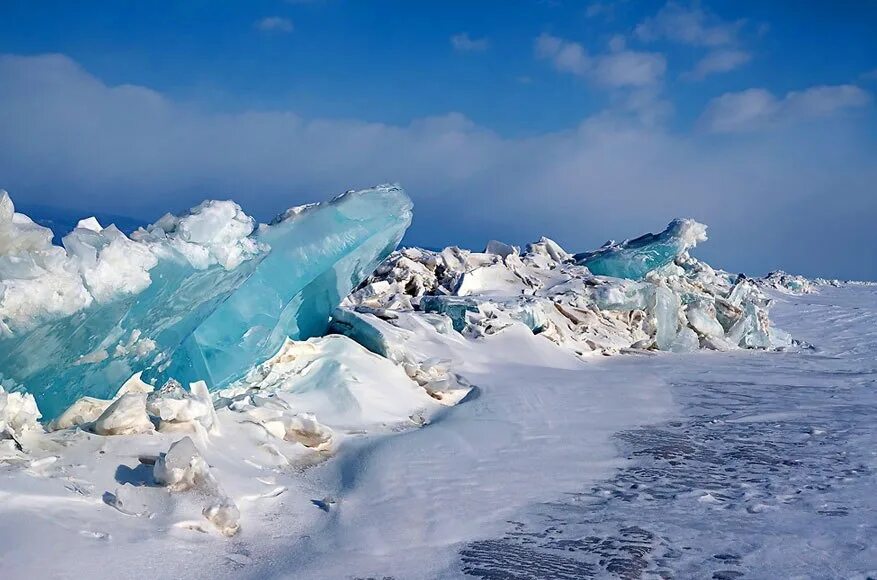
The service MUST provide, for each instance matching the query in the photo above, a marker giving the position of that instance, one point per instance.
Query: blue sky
(578, 120)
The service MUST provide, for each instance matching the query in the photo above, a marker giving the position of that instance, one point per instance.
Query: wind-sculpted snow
(80, 320)
(675, 303)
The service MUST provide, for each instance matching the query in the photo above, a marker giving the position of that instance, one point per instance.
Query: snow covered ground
(687, 465)
(496, 414)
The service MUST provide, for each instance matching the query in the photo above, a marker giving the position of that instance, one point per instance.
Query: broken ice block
(80, 322)
(318, 256)
(635, 258)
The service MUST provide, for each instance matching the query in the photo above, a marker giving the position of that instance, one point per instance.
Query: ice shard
(633, 259)
(319, 254)
(80, 320)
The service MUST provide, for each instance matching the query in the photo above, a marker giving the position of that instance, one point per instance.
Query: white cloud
(719, 61)
(625, 68)
(688, 26)
(462, 42)
(274, 24)
(825, 100)
(71, 139)
(568, 57)
(746, 110)
(617, 43)
(629, 69)
(756, 109)
(604, 9)
(871, 75)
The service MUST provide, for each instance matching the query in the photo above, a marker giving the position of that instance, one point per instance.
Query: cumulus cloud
(70, 139)
(462, 42)
(274, 24)
(755, 109)
(719, 61)
(692, 26)
(622, 68)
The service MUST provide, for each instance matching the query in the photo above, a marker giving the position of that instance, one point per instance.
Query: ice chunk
(18, 414)
(214, 232)
(305, 429)
(81, 322)
(686, 341)
(787, 282)
(701, 316)
(500, 249)
(210, 421)
(550, 249)
(183, 468)
(224, 514)
(318, 256)
(111, 265)
(666, 312)
(482, 294)
(635, 258)
(37, 281)
(90, 223)
(84, 410)
(178, 409)
(397, 344)
(126, 416)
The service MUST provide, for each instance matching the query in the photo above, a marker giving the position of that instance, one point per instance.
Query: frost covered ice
(658, 298)
(80, 320)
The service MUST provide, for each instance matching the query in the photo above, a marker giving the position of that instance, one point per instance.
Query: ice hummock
(650, 294)
(635, 258)
(319, 254)
(81, 320)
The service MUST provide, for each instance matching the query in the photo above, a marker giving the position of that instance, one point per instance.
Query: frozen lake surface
(745, 464)
(768, 471)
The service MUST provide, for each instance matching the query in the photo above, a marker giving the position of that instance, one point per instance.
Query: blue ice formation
(205, 295)
(319, 254)
(633, 259)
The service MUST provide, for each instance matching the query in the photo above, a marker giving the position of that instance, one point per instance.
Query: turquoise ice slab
(635, 258)
(318, 256)
(50, 360)
(215, 323)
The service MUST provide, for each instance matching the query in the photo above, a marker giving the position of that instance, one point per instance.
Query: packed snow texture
(80, 320)
(289, 412)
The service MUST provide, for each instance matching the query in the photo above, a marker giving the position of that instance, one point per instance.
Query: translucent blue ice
(633, 259)
(208, 312)
(318, 256)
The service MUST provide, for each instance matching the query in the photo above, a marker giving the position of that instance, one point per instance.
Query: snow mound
(334, 377)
